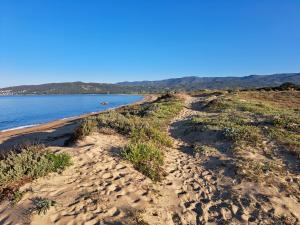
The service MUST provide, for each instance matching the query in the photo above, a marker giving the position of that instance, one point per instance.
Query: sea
(25, 111)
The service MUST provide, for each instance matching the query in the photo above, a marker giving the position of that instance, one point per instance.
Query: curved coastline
(69, 121)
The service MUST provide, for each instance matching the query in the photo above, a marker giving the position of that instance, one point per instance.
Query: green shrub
(248, 134)
(146, 158)
(289, 122)
(30, 163)
(150, 133)
(219, 105)
(87, 127)
(118, 122)
(58, 162)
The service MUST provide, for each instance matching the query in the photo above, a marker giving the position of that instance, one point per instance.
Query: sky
(111, 41)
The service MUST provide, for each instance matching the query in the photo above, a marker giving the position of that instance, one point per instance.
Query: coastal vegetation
(146, 127)
(30, 163)
(260, 122)
(42, 205)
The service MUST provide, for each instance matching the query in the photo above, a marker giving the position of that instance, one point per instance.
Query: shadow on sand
(49, 137)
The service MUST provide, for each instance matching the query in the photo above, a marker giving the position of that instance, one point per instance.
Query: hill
(177, 84)
(66, 88)
(193, 82)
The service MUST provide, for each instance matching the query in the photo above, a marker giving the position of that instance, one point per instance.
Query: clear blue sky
(111, 41)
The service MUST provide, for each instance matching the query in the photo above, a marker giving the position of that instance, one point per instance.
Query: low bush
(289, 122)
(117, 121)
(58, 162)
(150, 133)
(219, 105)
(86, 127)
(31, 163)
(146, 158)
(243, 134)
(233, 126)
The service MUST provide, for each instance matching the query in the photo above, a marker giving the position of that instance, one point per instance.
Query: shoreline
(44, 127)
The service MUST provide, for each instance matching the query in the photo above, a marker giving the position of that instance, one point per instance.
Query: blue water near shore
(25, 111)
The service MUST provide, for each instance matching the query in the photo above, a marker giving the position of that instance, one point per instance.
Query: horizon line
(126, 81)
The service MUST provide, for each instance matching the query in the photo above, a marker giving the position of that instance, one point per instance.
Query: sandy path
(187, 190)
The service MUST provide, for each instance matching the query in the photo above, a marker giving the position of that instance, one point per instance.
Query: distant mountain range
(179, 84)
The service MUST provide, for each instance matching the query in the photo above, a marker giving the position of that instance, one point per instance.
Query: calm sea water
(22, 111)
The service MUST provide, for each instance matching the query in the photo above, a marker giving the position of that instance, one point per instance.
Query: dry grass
(265, 123)
(289, 99)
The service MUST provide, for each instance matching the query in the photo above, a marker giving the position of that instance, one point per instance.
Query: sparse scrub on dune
(136, 128)
(219, 105)
(150, 133)
(221, 121)
(234, 127)
(240, 120)
(166, 110)
(289, 122)
(144, 151)
(117, 121)
(256, 170)
(146, 158)
(260, 125)
(234, 103)
(145, 126)
(149, 118)
(87, 126)
(243, 134)
(207, 93)
(30, 163)
(287, 139)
